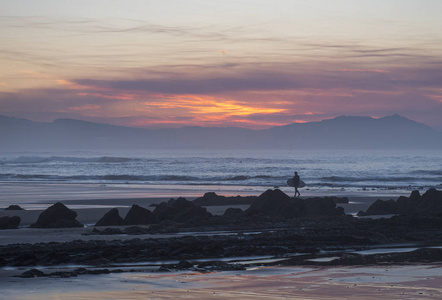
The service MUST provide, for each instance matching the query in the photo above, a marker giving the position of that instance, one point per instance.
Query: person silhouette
(296, 183)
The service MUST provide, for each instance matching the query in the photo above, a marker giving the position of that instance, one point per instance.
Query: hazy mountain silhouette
(392, 132)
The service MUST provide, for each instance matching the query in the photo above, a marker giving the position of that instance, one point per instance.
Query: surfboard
(290, 183)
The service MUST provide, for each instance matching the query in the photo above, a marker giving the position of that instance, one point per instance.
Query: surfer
(296, 183)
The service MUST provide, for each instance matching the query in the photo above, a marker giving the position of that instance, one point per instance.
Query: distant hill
(392, 132)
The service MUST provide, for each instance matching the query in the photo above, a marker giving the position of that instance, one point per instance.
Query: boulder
(270, 202)
(111, 218)
(9, 222)
(138, 215)
(57, 216)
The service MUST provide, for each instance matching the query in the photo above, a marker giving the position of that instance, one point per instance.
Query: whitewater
(321, 170)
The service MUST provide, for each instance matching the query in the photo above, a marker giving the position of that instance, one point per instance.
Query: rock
(415, 195)
(381, 207)
(56, 258)
(111, 218)
(315, 207)
(221, 266)
(429, 204)
(164, 212)
(212, 199)
(32, 273)
(14, 207)
(111, 231)
(57, 216)
(138, 215)
(180, 210)
(136, 230)
(277, 203)
(9, 222)
(338, 200)
(232, 212)
(184, 264)
(24, 259)
(270, 202)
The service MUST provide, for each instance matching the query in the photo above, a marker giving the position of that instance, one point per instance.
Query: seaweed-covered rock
(57, 216)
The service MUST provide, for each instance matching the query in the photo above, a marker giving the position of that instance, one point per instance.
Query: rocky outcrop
(111, 218)
(138, 215)
(57, 216)
(429, 204)
(212, 199)
(180, 210)
(9, 222)
(277, 203)
(14, 207)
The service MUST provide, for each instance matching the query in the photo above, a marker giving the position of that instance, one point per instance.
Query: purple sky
(245, 63)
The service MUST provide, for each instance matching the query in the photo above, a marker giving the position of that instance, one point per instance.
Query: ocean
(321, 170)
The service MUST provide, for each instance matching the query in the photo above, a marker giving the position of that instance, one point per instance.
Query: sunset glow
(254, 64)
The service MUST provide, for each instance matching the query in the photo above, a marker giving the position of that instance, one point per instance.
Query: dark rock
(381, 207)
(415, 195)
(338, 200)
(14, 207)
(136, 230)
(111, 218)
(317, 206)
(212, 199)
(277, 203)
(180, 210)
(111, 231)
(184, 264)
(138, 215)
(56, 258)
(24, 259)
(429, 204)
(163, 269)
(164, 212)
(32, 273)
(9, 222)
(57, 216)
(270, 202)
(3, 262)
(232, 212)
(221, 266)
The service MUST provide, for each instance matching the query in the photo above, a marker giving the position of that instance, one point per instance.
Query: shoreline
(299, 259)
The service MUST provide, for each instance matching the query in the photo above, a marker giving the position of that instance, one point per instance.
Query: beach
(386, 282)
(262, 277)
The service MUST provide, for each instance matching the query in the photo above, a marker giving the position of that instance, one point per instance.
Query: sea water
(321, 170)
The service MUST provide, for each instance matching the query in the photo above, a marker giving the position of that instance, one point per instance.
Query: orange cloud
(208, 105)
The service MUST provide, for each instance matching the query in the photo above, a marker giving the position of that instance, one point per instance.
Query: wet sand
(387, 282)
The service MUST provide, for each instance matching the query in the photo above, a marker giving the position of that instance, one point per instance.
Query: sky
(245, 63)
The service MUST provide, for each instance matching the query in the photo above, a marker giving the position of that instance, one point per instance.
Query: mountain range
(345, 132)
